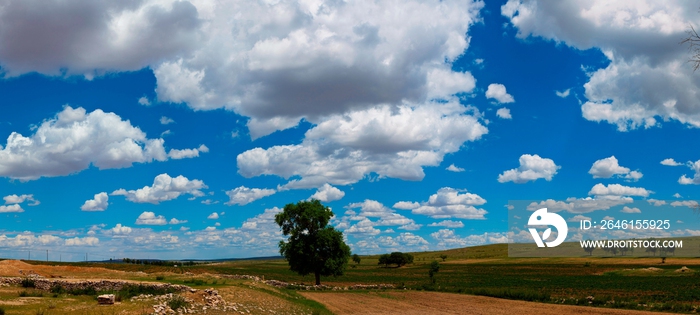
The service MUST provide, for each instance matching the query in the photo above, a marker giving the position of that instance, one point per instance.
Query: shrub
(58, 289)
(177, 302)
(2, 311)
(160, 278)
(28, 283)
(397, 258)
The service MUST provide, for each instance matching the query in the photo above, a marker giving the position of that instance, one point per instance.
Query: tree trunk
(318, 278)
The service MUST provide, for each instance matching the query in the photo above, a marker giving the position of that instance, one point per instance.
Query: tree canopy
(312, 246)
(397, 258)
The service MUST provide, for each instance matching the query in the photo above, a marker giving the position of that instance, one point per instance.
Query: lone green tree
(356, 258)
(312, 246)
(434, 268)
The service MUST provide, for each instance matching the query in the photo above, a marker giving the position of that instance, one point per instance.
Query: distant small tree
(356, 259)
(443, 257)
(434, 268)
(589, 250)
(312, 246)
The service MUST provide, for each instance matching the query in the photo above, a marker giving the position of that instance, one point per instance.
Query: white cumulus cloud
(164, 188)
(609, 167)
(504, 113)
(448, 203)
(345, 148)
(98, 203)
(685, 180)
(150, 218)
(12, 199)
(75, 139)
(532, 167)
(641, 40)
(243, 195)
(670, 162)
(498, 92)
(327, 193)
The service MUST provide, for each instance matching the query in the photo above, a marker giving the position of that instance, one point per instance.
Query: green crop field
(618, 282)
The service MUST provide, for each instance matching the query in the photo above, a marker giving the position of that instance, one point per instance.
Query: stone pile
(107, 299)
(297, 286)
(98, 285)
(211, 298)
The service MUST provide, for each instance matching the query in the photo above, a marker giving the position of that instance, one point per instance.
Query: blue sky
(161, 129)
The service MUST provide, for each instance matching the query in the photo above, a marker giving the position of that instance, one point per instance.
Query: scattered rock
(107, 299)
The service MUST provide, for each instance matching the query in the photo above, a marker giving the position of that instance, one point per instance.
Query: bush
(177, 302)
(160, 278)
(58, 289)
(396, 258)
(28, 283)
(2, 311)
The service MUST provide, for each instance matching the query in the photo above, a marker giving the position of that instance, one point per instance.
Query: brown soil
(412, 302)
(12, 268)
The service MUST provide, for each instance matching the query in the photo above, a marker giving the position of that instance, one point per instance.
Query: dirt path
(420, 303)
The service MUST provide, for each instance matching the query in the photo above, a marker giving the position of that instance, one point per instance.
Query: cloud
(578, 218)
(453, 168)
(82, 241)
(627, 209)
(532, 167)
(563, 94)
(166, 121)
(98, 203)
(640, 38)
(243, 195)
(101, 37)
(327, 193)
(150, 218)
(72, 141)
(609, 167)
(677, 195)
(685, 203)
(365, 227)
(448, 239)
(448, 203)
(406, 205)
(600, 190)
(176, 221)
(11, 208)
(448, 224)
(655, 202)
(372, 209)
(120, 230)
(176, 154)
(164, 188)
(504, 113)
(498, 92)
(344, 149)
(670, 162)
(580, 205)
(213, 216)
(272, 67)
(684, 180)
(144, 101)
(12, 199)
